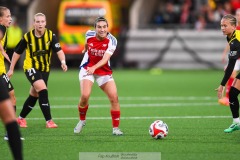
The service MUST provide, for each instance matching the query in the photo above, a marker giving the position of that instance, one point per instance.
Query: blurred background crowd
(142, 16)
(192, 14)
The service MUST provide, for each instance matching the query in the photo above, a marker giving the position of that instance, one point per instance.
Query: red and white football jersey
(95, 51)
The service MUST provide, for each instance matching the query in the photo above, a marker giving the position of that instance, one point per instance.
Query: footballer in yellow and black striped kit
(40, 44)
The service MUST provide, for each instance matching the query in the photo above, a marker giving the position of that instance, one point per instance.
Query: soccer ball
(158, 129)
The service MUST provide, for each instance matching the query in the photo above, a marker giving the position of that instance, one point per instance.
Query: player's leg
(225, 100)
(8, 117)
(110, 90)
(234, 105)
(13, 98)
(44, 104)
(27, 107)
(86, 83)
(7, 84)
(13, 102)
(39, 82)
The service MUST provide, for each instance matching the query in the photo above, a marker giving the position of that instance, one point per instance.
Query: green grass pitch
(185, 100)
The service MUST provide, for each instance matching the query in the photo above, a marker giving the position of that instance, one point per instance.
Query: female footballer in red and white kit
(95, 66)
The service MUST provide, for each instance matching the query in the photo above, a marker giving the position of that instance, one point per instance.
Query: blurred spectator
(157, 18)
(218, 13)
(235, 4)
(186, 16)
(193, 13)
(228, 9)
(212, 4)
(169, 16)
(200, 24)
(14, 34)
(166, 14)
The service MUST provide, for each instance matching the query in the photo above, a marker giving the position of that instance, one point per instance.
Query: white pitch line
(136, 105)
(133, 118)
(141, 98)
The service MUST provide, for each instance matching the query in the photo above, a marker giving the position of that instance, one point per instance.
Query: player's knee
(114, 100)
(12, 97)
(43, 93)
(84, 98)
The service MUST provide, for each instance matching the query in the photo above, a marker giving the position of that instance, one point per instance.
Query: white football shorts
(99, 79)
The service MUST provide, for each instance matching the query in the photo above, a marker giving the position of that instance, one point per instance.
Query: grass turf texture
(185, 100)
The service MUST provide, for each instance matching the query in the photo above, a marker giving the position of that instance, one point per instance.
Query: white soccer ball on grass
(158, 129)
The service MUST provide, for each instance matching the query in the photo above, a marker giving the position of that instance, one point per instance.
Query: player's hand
(220, 91)
(64, 67)
(90, 70)
(10, 73)
(224, 60)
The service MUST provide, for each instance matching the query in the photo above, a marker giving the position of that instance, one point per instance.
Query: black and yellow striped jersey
(38, 50)
(3, 42)
(234, 43)
(233, 55)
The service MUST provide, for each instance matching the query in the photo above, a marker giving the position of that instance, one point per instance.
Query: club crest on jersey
(48, 43)
(9, 86)
(57, 45)
(232, 53)
(33, 77)
(91, 44)
(104, 45)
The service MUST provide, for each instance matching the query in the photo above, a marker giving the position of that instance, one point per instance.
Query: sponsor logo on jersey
(233, 53)
(57, 45)
(39, 53)
(96, 52)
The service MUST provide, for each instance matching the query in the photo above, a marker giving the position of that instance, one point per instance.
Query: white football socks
(236, 120)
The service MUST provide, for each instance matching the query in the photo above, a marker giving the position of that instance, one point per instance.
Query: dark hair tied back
(100, 19)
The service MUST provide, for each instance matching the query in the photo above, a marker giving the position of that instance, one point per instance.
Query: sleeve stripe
(113, 39)
(90, 33)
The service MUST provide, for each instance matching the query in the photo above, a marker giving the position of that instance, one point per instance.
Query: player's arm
(4, 53)
(106, 57)
(2, 32)
(228, 71)
(224, 54)
(85, 48)
(16, 55)
(88, 34)
(15, 58)
(61, 56)
(104, 60)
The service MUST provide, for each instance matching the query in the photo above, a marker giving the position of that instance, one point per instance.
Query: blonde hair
(2, 9)
(39, 14)
(232, 19)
